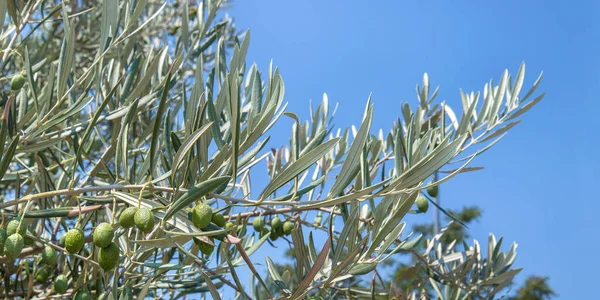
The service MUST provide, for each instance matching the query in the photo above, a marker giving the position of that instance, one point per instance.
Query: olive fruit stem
(79, 210)
(142, 192)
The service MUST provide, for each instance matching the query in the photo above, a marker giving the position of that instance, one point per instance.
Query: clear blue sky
(538, 185)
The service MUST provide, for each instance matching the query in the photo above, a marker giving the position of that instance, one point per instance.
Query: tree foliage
(145, 115)
(406, 274)
(535, 288)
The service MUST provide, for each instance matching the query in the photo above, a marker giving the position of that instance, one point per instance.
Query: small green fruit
(83, 295)
(275, 223)
(3, 237)
(205, 248)
(61, 241)
(147, 194)
(127, 217)
(273, 235)
(103, 235)
(42, 276)
(49, 256)
(144, 219)
(13, 225)
(74, 240)
(422, 204)
(17, 82)
(61, 284)
(433, 191)
(218, 219)
(229, 225)
(258, 223)
(202, 215)
(287, 227)
(108, 257)
(13, 246)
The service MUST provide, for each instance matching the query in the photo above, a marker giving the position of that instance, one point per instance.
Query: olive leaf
(297, 167)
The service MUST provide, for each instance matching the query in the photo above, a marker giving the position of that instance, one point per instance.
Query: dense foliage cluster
(131, 134)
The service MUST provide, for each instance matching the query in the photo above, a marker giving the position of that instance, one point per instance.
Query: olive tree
(131, 134)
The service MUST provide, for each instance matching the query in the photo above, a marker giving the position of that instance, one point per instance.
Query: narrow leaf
(351, 166)
(159, 114)
(298, 166)
(8, 156)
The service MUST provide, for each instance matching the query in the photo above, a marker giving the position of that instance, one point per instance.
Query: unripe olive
(229, 225)
(218, 219)
(146, 194)
(202, 215)
(273, 235)
(49, 256)
(42, 276)
(13, 226)
(205, 248)
(144, 219)
(17, 82)
(83, 295)
(258, 223)
(127, 217)
(422, 204)
(103, 235)
(74, 240)
(275, 222)
(108, 257)
(13, 246)
(432, 191)
(287, 227)
(61, 284)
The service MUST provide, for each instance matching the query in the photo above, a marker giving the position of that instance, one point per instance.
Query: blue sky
(538, 185)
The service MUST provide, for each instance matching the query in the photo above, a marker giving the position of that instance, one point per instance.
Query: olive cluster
(12, 239)
(202, 216)
(108, 253)
(278, 228)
